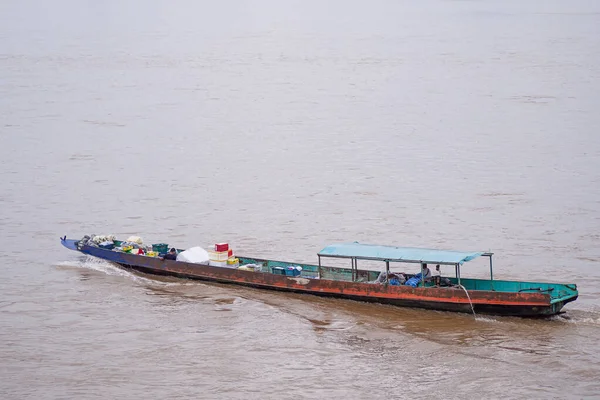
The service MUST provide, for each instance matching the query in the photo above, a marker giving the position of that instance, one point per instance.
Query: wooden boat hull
(443, 299)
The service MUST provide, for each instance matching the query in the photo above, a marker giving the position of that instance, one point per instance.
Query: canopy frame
(397, 254)
(394, 255)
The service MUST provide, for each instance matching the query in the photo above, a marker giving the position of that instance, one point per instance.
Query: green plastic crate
(160, 248)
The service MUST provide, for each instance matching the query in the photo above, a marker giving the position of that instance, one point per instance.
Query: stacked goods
(133, 244)
(222, 256)
(102, 241)
(135, 239)
(218, 255)
(99, 239)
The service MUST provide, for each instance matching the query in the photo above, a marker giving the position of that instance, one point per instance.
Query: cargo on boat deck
(160, 248)
(109, 245)
(196, 255)
(218, 255)
(233, 261)
(221, 247)
(288, 271)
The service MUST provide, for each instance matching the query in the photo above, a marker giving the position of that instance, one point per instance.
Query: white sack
(195, 255)
(135, 239)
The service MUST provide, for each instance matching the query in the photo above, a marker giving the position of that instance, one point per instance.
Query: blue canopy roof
(398, 254)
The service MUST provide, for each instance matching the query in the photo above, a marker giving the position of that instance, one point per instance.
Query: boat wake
(486, 319)
(108, 268)
(580, 317)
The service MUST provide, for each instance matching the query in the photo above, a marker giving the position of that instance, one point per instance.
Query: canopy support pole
(458, 273)
(319, 266)
(352, 268)
(491, 274)
(387, 271)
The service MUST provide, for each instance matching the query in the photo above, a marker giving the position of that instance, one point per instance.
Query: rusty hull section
(445, 299)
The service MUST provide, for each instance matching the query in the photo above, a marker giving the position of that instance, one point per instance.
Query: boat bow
(69, 243)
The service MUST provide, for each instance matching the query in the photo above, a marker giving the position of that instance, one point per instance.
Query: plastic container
(107, 245)
(233, 262)
(221, 247)
(127, 249)
(152, 254)
(218, 255)
(289, 271)
(414, 281)
(160, 247)
(214, 263)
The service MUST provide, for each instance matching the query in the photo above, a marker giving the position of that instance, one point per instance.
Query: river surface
(281, 127)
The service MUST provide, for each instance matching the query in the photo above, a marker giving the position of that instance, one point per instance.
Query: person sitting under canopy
(425, 271)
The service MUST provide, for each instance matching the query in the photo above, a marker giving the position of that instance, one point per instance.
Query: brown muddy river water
(281, 127)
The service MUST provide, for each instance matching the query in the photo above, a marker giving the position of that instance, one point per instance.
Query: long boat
(454, 293)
